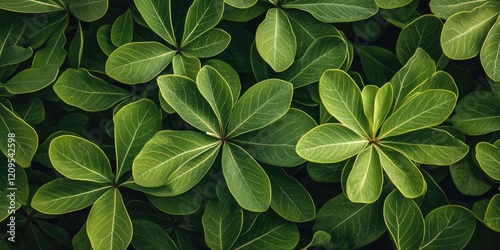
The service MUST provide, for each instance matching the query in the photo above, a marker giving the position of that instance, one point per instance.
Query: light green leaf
(439, 80)
(335, 11)
(490, 52)
(368, 95)
(183, 204)
(62, 196)
(342, 99)
(275, 143)
(104, 39)
(150, 236)
(378, 63)
(364, 184)
(173, 156)
(423, 110)
(464, 33)
(244, 15)
(32, 79)
(404, 221)
(448, 227)
(477, 113)
(53, 51)
(221, 225)
(88, 11)
(446, 8)
(81, 241)
(392, 4)
(269, 232)
(329, 143)
(158, 16)
(81, 89)
(79, 159)
(122, 29)
(320, 239)
(242, 4)
(209, 44)
(135, 124)
(376, 105)
(424, 33)
(492, 214)
(186, 66)
(30, 6)
(328, 52)
(201, 17)
(488, 157)
(138, 62)
(24, 140)
(402, 172)
(275, 40)
(183, 96)
(109, 225)
(261, 105)
(246, 179)
(289, 198)
(229, 74)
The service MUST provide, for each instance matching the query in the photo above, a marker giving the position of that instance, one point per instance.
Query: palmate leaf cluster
(250, 124)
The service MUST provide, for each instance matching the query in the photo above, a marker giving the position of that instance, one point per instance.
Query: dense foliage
(249, 124)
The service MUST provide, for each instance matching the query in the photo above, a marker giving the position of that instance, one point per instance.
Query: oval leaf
(488, 157)
(183, 204)
(150, 236)
(365, 180)
(209, 44)
(490, 53)
(477, 113)
(221, 225)
(88, 11)
(30, 6)
(336, 11)
(201, 16)
(158, 16)
(32, 79)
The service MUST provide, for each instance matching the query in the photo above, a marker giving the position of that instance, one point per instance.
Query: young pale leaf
(448, 227)
(477, 113)
(62, 196)
(88, 11)
(320, 239)
(30, 6)
(269, 232)
(138, 62)
(402, 172)
(351, 225)
(221, 225)
(289, 198)
(122, 29)
(183, 96)
(328, 52)
(342, 98)
(378, 63)
(368, 98)
(79, 159)
(186, 66)
(174, 154)
(261, 105)
(335, 11)
(492, 214)
(24, 138)
(275, 40)
(446, 8)
(183, 204)
(425, 109)
(404, 221)
(392, 4)
(135, 124)
(32, 79)
(209, 44)
(490, 53)
(150, 236)
(364, 184)
(275, 143)
(109, 225)
(81, 89)
(201, 16)
(424, 32)
(158, 16)
(329, 143)
(464, 32)
(246, 179)
(488, 157)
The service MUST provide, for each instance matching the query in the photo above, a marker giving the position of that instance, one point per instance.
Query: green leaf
(433, 197)
(464, 32)
(402, 172)
(378, 63)
(201, 17)
(244, 15)
(242, 4)
(229, 74)
(261, 105)
(186, 66)
(209, 44)
(122, 29)
(439, 80)
(342, 99)
(32, 79)
(488, 157)
(15, 54)
(104, 39)
(329, 143)
(423, 110)
(33, 112)
(275, 143)
(327, 173)
(53, 51)
(490, 52)
(364, 184)
(328, 52)
(81, 89)
(135, 124)
(178, 159)
(221, 225)
(62, 196)
(109, 225)
(81, 241)
(376, 105)
(183, 96)
(392, 4)
(320, 239)
(351, 225)
(183, 204)
(492, 214)
(30, 6)
(58, 233)
(289, 198)
(477, 113)
(158, 16)
(448, 227)
(75, 51)
(88, 11)
(79, 159)
(150, 236)
(468, 178)
(269, 232)
(446, 8)
(335, 11)
(24, 140)
(138, 62)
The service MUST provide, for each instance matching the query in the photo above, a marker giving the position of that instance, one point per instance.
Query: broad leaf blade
(122, 29)
(88, 11)
(477, 113)
(446, 8)
(150, 236)
(364, 184)
(336, 11)
(186, 66)
(209, 44)
(183, 204)
(158, 16)
(202, 16)
(492, 213)
(488, 157)
(221, 225)
(30, 6)
(378, 63)
(490, 53)
(32, 79)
